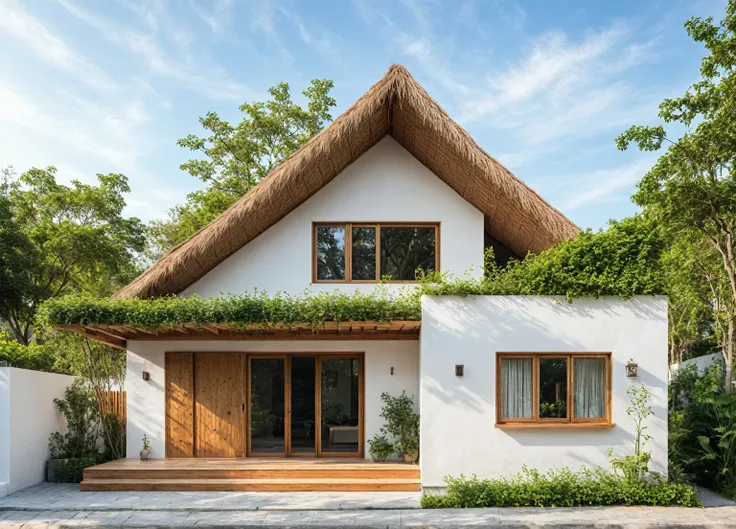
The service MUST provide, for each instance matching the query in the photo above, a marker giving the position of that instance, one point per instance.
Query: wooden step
(409, 472)
(254, 485)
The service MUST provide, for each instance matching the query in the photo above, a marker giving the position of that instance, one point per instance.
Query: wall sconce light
(459, 370)
(146, 376)
(632, 368)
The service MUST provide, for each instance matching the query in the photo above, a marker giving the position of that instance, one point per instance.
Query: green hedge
(34, 356)
(72, 470)
(559, 488)
(259, 308)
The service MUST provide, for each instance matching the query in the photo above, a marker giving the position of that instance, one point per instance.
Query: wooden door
(179, 404)
(219, 405)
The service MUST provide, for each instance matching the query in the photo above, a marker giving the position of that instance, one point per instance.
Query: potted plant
(408, 447)
(380, 447)
(145, 453)
(402, 423)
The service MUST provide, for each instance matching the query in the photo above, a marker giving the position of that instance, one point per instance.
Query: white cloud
(554, 67)
(14, 20)
(602, 186)
(198, 74)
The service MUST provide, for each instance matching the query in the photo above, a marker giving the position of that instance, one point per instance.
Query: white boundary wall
(458, 414)
(28, 416)
(146, 399)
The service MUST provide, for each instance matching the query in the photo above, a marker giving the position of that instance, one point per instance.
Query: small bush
(79, 408)
(380, 447)
(71, 470)
(36, 357)
(559, 488)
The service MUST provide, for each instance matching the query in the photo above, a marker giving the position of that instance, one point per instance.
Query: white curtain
(516, 388)
(590, 387)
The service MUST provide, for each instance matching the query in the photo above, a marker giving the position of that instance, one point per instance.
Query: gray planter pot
(52, 467)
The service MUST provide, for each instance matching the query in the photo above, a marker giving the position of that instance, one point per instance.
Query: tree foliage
(16, 251)
(691, 190)
(69, 239)
(232, 159)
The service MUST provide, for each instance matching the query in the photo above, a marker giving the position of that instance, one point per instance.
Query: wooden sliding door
(219, 396)
(205, 404)
(179, 404)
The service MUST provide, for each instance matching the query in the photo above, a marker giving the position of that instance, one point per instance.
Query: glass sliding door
(266, 409)
(305, 404)
(301, 414)
(340, 406)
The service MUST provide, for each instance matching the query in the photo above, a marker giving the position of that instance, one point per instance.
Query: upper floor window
(366, 252)
(553, 390)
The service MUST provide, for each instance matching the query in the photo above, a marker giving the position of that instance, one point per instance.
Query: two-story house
(392, 185)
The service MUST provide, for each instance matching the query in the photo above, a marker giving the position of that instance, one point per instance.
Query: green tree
(232, 159)
(77, 240)
(691, 189)
(16, 252)
(695, 290)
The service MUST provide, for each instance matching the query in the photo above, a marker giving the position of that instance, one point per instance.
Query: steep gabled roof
(396, 105)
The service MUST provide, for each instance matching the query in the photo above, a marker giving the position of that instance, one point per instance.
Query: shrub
(402, 422)
(636, 465)
(79, 408)
(380, 447)
(36, 357)
(702, 424)
(71, 470)
(113, 437)
(559, 488)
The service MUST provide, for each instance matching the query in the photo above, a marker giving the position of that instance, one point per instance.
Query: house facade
(499, 381)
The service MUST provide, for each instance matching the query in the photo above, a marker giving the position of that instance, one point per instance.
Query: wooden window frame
(535, 421)
(348, 227)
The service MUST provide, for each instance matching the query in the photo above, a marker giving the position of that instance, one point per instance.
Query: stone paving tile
(156, 518)
(227, 518)
(68, 496)
(536, 518)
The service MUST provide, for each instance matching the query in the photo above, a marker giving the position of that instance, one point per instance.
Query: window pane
(340, 404)
(330, 252)
(590, 387)
(516, 388)
(403, 250)
(553, 387)
(364, 253)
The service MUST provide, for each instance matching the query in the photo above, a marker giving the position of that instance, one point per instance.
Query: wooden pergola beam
(117, 335)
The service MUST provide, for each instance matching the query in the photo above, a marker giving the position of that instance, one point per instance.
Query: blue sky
(93, 86)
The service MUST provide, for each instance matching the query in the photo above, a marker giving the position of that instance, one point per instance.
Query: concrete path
(67, 496)
(582, 518)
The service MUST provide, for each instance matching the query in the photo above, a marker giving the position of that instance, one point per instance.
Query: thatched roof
(396, 105)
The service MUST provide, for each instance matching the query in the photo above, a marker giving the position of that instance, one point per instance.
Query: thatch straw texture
(397, 105)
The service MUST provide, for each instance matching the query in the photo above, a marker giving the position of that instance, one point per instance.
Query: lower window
(553, 390)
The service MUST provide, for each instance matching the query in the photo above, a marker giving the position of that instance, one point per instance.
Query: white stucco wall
(146, 399)
(385, 184)
(458, 414)
(28, 416)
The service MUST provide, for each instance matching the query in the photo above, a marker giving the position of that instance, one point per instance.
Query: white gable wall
(385, 184)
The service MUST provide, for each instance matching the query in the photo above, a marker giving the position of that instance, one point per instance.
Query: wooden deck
(252, 474)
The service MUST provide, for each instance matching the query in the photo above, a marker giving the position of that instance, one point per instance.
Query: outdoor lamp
(632, 368)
